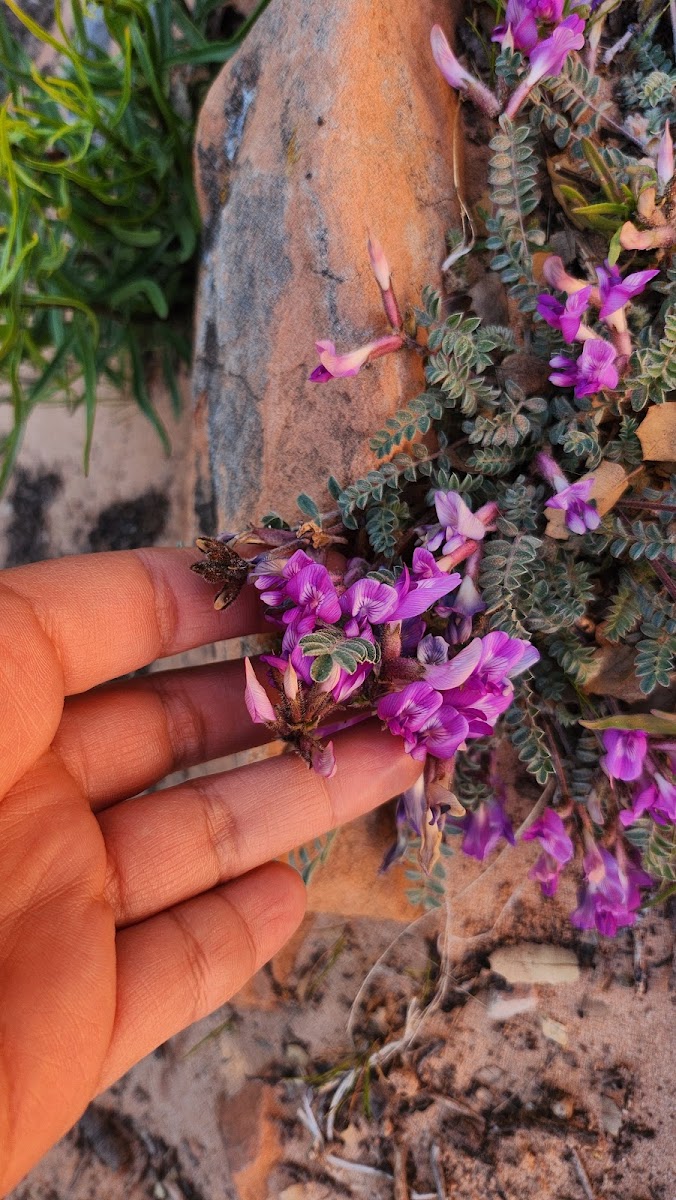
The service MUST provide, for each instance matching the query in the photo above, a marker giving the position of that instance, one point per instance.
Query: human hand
(123, 920)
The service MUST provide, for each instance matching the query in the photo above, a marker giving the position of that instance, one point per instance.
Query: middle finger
(166, 847)
(122, 738)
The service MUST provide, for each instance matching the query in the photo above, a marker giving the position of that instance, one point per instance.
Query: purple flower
(442, 734)
(343, 366)
(406, 712)
(484, 828)
(477, 681)
(256, 698)
(417, 713)
(418, 593)
(466, 603)
(616, 291)
(520, 22)
(432, 649)
(369, 600)
(656, 796)
(592, 372)
(548, 57)
(610, 895)
(312, 590)
(567, 317)
(625, 753)
(580, 516)
(460, 523)
(550, 831)
(557, 850)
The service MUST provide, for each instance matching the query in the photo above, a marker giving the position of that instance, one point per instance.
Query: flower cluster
(442, 594)
(596, 369)
(651, 769)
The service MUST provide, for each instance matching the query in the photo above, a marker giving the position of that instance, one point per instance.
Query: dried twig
(581, 1173)
(344, 1164)
(435, 1156)
(640, 970)
(401, 1191)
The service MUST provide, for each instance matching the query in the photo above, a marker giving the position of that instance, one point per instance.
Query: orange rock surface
(331, 121)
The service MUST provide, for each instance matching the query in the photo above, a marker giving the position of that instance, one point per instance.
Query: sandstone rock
(331, 121)
(249, 1125)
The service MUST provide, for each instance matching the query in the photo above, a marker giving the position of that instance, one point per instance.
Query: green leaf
(659, 724)
(307, 506)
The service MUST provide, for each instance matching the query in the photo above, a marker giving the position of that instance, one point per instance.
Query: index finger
(108, 614)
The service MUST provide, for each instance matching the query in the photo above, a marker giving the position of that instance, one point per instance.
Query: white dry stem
(362, 1169)
(307, 1118)
(435, 1155)
(468, 235)
(619, 45)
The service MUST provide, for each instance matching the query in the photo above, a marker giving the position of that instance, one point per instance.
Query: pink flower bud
(379, 264)
(632, 238)
(458, 76)
(256, 698)
(665, 157)
(558, 277)
(290, 681)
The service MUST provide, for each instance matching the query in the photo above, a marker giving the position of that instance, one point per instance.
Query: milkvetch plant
(517, 537)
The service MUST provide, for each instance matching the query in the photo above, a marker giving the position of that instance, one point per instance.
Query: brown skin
(124, 920)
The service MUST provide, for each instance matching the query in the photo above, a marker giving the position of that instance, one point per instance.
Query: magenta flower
(567, 317)
(548, 57)
(580, 516)
(657, 797)
(625, 753)
(557, 850)
(520, 22)
(369, 600)
(477, 681)
(442, 734)
(465, 605)
(610, 895)
(419, 592)
(256, 698)
(343, 366)
(594, 371)
(458, 77)
(458, 521)
(273, 585)
(616, 291)
(406, 712)
(570, 497)
(484, 828)
(312, 590)
(432, 649)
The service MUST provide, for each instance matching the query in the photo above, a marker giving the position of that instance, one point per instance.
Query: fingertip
(272, 900)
